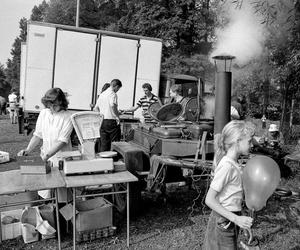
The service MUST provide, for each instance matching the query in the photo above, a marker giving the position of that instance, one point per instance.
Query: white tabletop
(99, 179)
(14, 182)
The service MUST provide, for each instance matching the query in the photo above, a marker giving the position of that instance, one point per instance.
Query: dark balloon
(261, 176)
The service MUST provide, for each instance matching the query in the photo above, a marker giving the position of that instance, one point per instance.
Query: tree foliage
(280, 65)
(4, 86)
(184, 25)
(12, 71)
(39, 12)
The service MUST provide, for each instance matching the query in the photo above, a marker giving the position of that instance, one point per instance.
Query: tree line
(187, 28)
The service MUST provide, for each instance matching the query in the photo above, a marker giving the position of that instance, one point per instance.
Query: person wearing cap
(271, 144)
(273, 138)
(53, 128)
(144, 103)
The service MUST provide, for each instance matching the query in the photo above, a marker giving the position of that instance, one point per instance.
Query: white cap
(273, 128)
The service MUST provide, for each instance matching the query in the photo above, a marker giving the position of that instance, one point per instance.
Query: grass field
(180, 223)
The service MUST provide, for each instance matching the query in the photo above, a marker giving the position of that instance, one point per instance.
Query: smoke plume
(243, 36)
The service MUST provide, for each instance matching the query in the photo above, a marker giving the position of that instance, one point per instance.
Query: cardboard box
(86, 166)
(10, 224)
(29, 222)
(90, 214)
(47, 211)
(20, 197)
(33, 165)
(64, 195)
(4, 157)
(38, 169)
(119, 166)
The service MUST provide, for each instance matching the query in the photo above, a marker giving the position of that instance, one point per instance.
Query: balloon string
(250, 235)
(251, 213)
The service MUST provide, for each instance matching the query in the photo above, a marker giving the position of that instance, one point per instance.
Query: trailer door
(39, 65)
(74, 67)
(148, 68)
(118, 58)
(22, 69)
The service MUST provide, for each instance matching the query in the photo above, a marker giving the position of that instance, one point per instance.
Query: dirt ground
(180, 223)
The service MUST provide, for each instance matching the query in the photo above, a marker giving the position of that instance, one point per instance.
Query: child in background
(13, 106)
(225, 194)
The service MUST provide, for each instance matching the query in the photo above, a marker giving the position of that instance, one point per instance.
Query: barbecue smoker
(169, 150)
(178, 126)
(170, 136)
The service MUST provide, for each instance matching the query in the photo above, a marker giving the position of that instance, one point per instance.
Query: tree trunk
(292, 112)
(285, 117)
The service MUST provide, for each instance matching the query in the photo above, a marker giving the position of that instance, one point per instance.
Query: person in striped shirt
(145, 102)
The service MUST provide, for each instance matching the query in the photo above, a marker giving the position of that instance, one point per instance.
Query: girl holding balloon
(225, 193)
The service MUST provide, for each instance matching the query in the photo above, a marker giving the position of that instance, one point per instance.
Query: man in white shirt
(107, 105)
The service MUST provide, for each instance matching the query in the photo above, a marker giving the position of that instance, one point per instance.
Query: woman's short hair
(176, 88)
(147, 86)
(55, 95)
(105, 87)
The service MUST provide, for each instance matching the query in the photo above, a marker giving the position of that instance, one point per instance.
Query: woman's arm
(52, 151)
(213, 203)
(34, 141)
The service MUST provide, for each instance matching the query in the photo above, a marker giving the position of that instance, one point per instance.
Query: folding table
(77, 181)
(12, 182)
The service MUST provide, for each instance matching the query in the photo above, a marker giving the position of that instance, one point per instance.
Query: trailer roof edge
(94, 31)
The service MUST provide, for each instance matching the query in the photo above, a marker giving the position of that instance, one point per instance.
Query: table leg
(0, 229)
(74, 219)
(127, 200)
(57, 219)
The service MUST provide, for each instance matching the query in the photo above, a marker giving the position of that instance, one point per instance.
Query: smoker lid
(191, 109)
(153, 109)
(169, 112)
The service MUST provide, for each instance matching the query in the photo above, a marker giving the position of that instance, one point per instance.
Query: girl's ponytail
(220, 150)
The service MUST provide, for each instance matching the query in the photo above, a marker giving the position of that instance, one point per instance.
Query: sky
(11, 11)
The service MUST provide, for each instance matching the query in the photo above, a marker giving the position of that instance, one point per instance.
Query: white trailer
(80, 61)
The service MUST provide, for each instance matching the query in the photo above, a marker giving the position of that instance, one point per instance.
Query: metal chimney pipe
(223, 93)
(222, 101)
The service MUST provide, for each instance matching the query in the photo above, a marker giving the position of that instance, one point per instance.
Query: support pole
(77, 13)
